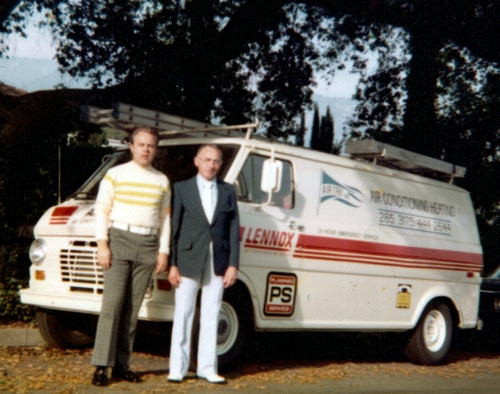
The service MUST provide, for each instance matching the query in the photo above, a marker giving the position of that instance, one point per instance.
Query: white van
(360, 243)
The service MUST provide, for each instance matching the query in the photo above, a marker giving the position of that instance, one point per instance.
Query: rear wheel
(66, 330)
(430, 341)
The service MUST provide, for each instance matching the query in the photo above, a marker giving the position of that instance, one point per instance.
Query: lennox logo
(268, 239)
(345, 194)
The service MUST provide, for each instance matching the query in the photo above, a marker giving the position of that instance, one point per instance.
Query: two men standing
(134, 204)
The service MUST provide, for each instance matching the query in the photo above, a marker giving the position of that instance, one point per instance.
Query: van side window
(248, 184)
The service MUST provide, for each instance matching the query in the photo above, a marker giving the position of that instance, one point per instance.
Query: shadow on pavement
(276, 350)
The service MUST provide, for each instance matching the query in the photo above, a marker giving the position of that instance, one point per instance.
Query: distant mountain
(35, 74)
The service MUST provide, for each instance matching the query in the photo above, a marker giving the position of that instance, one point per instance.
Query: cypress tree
(315, 142)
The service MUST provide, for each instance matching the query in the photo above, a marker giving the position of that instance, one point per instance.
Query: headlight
(38, 250)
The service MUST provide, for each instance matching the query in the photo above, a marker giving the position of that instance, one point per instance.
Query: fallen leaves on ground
(43, 369)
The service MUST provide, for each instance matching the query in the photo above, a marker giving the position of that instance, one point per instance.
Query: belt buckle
(133, 229)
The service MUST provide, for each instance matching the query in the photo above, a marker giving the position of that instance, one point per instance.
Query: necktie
(208, 200)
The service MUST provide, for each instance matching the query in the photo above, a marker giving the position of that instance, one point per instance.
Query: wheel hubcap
(227, 330)
(435, 331)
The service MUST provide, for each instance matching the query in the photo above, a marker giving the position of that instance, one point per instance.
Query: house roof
(7, 90)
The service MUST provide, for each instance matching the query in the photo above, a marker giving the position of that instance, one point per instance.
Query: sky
(31, 63)
(40, 45)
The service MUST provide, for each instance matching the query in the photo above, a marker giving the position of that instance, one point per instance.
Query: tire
(430, 342)
(66, 330)
(234, 329)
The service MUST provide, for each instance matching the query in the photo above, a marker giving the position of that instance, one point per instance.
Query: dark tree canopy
(186, 53)
(6, 8)
(433, 90)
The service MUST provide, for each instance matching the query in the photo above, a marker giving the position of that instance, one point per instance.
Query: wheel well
(455, 317)
(429, 342)
(240, 295)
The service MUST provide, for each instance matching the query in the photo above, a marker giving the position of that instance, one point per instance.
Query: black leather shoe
(124, 373)
(100, 377)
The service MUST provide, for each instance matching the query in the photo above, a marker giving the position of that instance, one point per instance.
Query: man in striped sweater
(132, 214)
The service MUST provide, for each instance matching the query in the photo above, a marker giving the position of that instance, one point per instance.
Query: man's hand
(103, 254)
(161, 263)
(230, 277)
(174, 276)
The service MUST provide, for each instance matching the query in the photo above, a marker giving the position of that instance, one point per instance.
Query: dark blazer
(192, 233)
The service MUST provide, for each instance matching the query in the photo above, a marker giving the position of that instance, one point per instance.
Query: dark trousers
(133, 261)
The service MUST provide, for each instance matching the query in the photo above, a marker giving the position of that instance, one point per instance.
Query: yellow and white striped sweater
(132, 194)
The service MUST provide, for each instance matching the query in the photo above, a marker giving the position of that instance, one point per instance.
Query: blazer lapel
(221, 198)
(194, 194)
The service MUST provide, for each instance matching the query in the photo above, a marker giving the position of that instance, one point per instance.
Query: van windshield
(176, 161)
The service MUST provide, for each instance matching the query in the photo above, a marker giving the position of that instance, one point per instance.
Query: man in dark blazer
(204, 254)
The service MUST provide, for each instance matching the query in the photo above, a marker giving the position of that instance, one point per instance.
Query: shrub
(11, 309)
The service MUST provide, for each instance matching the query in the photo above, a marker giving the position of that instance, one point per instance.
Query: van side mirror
(271, 176)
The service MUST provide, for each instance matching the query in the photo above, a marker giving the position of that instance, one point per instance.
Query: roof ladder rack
(127, 117)
(393, 157)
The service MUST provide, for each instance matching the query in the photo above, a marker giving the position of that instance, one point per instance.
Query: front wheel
(430, 341)
(234, 328)
(66, 330)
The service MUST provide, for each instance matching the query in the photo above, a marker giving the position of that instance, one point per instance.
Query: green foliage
(327, 128)
(242, 59)
(238, 60)
(301, 132)
(36, 176)
(322, 131)
(255, 58)
(14, 260)
(315, 142)
(28, 186)
(382, 95)
(11, 309)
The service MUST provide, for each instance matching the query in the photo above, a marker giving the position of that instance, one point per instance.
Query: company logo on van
(265, 239)
(61, 215)
(345, 194)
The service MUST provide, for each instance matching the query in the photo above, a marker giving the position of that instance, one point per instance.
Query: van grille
(79, 267)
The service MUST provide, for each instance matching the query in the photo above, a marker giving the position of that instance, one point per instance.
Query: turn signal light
(39, 275)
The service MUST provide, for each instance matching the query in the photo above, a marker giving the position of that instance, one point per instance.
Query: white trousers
(212, 289)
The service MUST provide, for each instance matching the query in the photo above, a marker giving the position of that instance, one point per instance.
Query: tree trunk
(420, 117)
